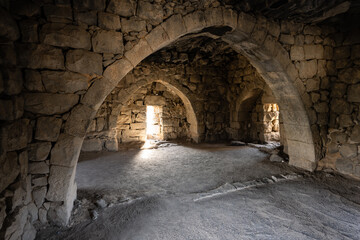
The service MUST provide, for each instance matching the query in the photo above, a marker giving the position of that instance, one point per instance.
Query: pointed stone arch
(183, 93)
(246, 34)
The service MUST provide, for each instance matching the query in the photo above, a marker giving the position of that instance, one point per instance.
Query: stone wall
(343, 146)
(61, 59)
(104, 134)
(265, 122)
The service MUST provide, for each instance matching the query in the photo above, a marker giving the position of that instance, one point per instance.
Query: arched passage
(187, 98)
(246, 34)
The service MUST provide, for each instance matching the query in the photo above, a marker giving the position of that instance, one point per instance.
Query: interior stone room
(179, 119)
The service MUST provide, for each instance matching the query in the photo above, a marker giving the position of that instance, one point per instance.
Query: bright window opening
(154, 123)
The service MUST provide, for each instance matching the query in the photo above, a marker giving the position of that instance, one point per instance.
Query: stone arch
(184, 94)
(244, 33)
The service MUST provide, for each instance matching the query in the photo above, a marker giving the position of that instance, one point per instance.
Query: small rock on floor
(276, 158)
(237, 143)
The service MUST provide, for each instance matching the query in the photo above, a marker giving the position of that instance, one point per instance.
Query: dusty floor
(207, 192)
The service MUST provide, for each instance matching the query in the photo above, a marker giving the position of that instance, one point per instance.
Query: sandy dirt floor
(207, 191)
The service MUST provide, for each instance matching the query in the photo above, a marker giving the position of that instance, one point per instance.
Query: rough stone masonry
(67, 64)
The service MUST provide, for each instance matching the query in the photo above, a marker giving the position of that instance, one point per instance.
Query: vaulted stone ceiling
(305, 11)
(195, 50)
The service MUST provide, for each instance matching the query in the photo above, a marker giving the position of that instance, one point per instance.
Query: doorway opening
(154, 123)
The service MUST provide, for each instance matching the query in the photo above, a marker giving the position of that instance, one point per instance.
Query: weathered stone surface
(48, 128)
(313, 84)
(348, 150)
(29, 232)
(8, 26)
(62, 35)
(355, 134)
(24, 8)
(13, 81)
(117, 70)
(132, 25)
(124, 8)
(92, 145)
(350, 75)
(88, 18)
(354, 93)
(43, 215)
(40, 56)
(39, 151)
(33, 81)
(307, 69)
(66, 151)
(12, 109)
(108, 42)
(151, 12)
(8, 55)
(60, 14)
(49, 104)
(341, 52)
(16, 227)
(39, 181)
(174, 26)
(24, 165)
(64, 82)
(38, 168)
(16, 135)
(60, 181)
(340, 106)
(287, 39)
(9, 169)
(39, 195)
(33, 212)
(112, 145)
(297, 53)
(344, 166)
(2, 211)
(155, 100)
(109, 21)
(345, 120)
(29, 31)
(85, 5)
(82, 61)
(314, 51)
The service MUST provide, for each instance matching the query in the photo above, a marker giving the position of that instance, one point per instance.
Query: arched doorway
(245, 34)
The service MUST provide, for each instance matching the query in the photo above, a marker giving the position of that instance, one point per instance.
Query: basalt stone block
(132, 25)
(109, 21)
(9, 29)
(48, 128)
(150, 11)
(62, 35)
(349, 75)
(124, 8)
(29, 31)
(64, 82)
(61, 14)
(49, 104)
(12, 109)
(24, 8)
(16, 135)
(92, 145)
(9, 169)
(85, 5)
(39, 168)
(108, 42)
(37, 56)
(354, 93)
(39, 151)
(13, 81)
(82, 61)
